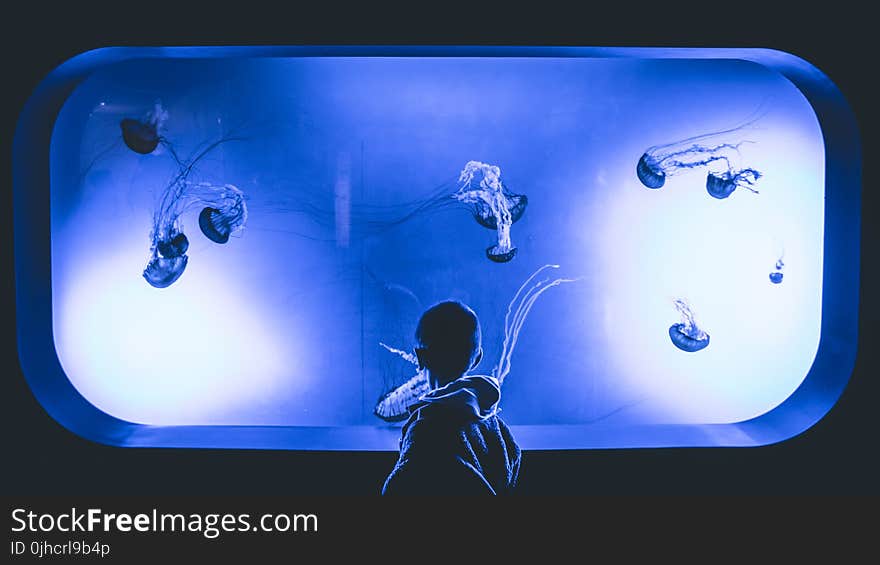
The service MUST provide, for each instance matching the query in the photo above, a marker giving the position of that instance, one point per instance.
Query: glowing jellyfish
(168, 241)
(493, 206)
(144, 135)
(394, 406)
(687, 335)
(709, 150)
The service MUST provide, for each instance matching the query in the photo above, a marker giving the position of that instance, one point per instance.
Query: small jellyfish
(493, 207)
(706, 150)
(144, 135)
(226, 215)
(686, 335)
(776, 276)
(722, 184)
(394, 405)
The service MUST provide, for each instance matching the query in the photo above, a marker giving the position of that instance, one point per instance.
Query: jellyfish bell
(161, 272)
(175, 246)
(687, 341)
(140, 137)
(720, 187)
(649, 173)
(516, 203)
(214, 225)
(499, 255)
(224, 210)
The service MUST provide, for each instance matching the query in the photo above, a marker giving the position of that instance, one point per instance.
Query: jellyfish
(226, 214)
(168, 241)
(394, 406)
(162, 272)
(776, 276)
(706, 150)
(493, 206)
(168, 260)
(686, 335)
(144, 135)
(720, 185)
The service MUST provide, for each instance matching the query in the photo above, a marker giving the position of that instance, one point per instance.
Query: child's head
(449, 341)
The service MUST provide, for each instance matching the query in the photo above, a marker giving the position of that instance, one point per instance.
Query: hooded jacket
(454, 442)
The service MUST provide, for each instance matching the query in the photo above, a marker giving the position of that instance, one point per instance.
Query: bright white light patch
(195, 353)
(677, 242)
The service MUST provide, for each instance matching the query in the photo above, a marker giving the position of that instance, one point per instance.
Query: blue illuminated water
(282, 324)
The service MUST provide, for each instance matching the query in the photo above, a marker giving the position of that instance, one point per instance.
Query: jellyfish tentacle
(757, 115)
(523, 302)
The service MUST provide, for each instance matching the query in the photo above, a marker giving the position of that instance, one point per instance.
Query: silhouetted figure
(454, 442)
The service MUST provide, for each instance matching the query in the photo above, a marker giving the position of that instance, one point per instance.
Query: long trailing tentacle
(756, 115)
(512, 331)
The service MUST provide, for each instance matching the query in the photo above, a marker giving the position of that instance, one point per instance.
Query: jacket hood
(476, 394)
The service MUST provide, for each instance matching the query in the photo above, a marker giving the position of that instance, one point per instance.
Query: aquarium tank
(239, 242)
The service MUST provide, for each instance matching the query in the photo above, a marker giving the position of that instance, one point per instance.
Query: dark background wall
(838, 455)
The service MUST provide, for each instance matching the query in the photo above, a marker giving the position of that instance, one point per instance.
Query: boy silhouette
(454, 442)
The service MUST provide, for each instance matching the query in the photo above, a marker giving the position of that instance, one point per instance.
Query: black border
(838, 455)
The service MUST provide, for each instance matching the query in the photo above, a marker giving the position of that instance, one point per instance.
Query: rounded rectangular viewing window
(232, 247)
